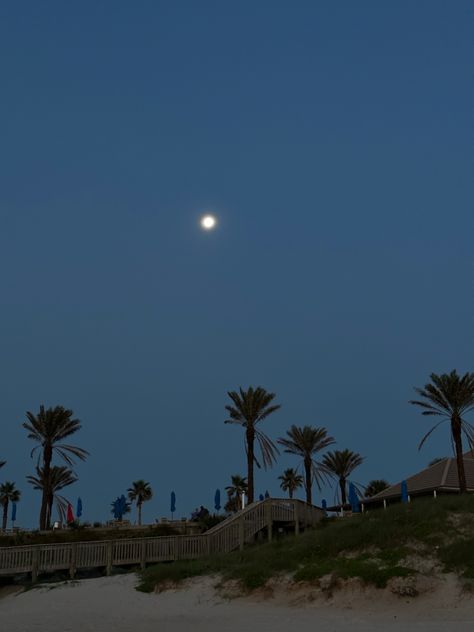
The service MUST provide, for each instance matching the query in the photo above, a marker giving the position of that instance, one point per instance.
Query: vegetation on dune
(248, 409)
(370, 546)
(80, 533)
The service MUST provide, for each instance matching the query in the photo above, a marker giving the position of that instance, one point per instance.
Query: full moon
(208, 222)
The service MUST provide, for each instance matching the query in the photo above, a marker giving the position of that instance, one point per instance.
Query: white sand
(112, 604)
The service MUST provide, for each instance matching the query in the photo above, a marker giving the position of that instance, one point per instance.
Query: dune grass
(371, 546)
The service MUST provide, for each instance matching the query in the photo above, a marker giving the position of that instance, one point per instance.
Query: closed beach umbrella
(13, 512)
(69, 514)
(404, 492)
(267, 495)
(79, 508)
(173, 503)
(261, 497)
(354, 501)
(217, 500)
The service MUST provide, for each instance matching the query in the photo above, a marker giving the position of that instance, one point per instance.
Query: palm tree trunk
(250, 463)
(47, 457)
(342, 485)
(290, 493)
(456, 433)
(139, 507)
(5, 515)
(308, 481)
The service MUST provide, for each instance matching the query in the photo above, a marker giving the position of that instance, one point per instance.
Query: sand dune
(112, 604)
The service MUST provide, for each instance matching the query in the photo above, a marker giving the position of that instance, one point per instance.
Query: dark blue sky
(334, 143)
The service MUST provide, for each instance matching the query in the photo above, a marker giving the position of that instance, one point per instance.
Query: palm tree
(234, 491)
(306, 442)
(451, 397)
(8, 494)
(50, 484)
(375, 486)
(339, 465)
(249, 408)
(49, 428)
(290, 481)
(141, 492)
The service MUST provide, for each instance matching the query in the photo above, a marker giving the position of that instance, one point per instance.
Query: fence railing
(226, 536)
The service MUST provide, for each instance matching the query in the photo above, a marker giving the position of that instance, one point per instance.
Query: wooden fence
(227, 536)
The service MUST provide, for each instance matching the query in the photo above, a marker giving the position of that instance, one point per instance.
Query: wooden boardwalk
(233, 533)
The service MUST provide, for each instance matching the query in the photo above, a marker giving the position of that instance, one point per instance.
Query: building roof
(442, 476)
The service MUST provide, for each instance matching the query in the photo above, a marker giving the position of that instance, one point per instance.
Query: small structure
(439, 478)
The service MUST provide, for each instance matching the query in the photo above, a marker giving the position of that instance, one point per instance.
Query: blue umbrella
(404, 492)
(173, 503)
(324, 503)
(261, 497)
(267, 495)
(217, 500)
(354, 501)
(79, 508)
(13, 512)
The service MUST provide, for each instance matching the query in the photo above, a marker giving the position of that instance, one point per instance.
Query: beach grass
(371, 546)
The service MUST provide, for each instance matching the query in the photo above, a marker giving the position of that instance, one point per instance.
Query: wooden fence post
(268, 520)
(73, 560)
(109, 558)
(143, 554)
(241, 533)
(35, 564)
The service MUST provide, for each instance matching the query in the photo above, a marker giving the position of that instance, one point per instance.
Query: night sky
(333, 142)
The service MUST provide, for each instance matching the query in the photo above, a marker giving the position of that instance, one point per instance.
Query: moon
(208, 222)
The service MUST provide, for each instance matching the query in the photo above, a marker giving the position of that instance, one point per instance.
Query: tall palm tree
(375, 486)
(58, 477)
(339, 465)
(234, 492)
(450, 396)
(49, 428)
(248, 409)
(8, 494)
(305, 442)
(140, 492)
(290, 481)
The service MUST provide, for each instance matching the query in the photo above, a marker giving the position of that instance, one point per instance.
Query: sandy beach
(113, 604)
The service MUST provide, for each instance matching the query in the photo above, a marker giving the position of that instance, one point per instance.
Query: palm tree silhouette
(249, 408)
(8, 494)
(305, 442)
(49, 428)
(58, 477)
(290, 481)
(140, 491)
(451, 397)
(234, 492)
(376, 486)
(339, 465)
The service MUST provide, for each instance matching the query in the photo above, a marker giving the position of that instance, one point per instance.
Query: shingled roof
(442, 477)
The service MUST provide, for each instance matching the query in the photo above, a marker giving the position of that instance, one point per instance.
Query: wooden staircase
(229, 535)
